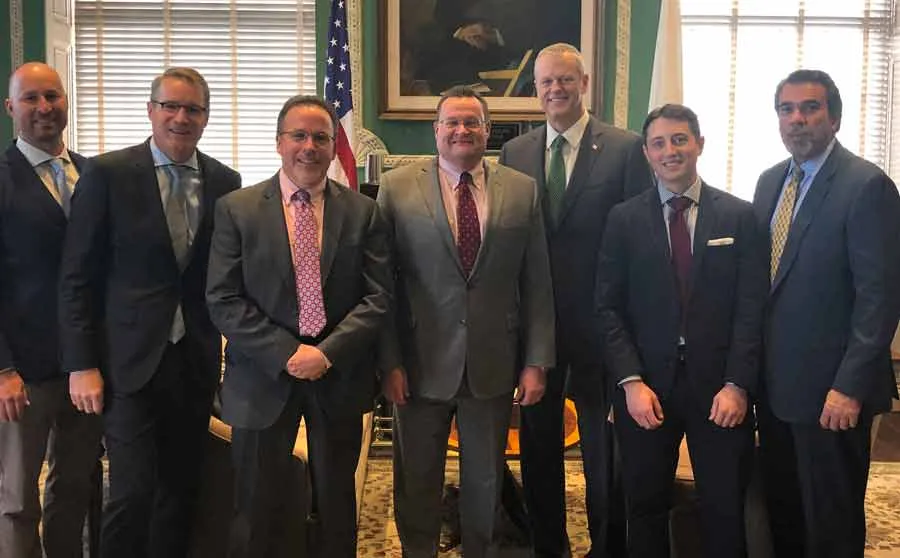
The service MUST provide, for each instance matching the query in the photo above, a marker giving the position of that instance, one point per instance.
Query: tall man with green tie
(137, 339)
(37, 176)
(583, 168)
(832, 311)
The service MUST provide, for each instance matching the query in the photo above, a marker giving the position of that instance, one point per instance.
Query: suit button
(462, 322)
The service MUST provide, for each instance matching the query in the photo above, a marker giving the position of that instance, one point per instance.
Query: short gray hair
(561, 49)
(188, 75)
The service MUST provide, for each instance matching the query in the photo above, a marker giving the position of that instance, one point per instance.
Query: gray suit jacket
(832, 307)
(489, 324)
(252, 299)
(609, 169)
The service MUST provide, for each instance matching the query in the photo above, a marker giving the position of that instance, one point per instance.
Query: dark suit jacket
(609, 169)
(252, 299)
(638, 297)
(486, 325)
(32, 229)
(120, 283)
(832, 306)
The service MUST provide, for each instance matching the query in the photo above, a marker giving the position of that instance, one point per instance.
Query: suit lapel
(494, 192)
(815, 195)
(588, 153)
(535, 162)
(430, 187)
(706, 221)
(771, 193)
(334, 214)
(147, 189)
(657, 226)
(27, 179)
(275, 235)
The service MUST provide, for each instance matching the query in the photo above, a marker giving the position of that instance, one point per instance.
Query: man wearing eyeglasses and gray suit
(473, 321)
(136, 337)
(299, 282)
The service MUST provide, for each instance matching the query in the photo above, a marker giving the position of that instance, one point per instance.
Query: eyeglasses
(319, 139)
(468, 123)
(171, 107)
(806, 108)
(564, 81)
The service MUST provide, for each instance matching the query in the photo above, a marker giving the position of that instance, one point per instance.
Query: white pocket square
(725, 241)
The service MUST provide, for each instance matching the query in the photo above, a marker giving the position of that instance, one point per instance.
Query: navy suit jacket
(120, 284)
(610, 168)
(253, 299)
(832, 308)
(32, 230)
(639, 301)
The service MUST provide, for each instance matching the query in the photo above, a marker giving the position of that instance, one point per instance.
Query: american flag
(338, 93)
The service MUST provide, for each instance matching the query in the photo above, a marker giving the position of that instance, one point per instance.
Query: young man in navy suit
(681, 290)
(37, 176)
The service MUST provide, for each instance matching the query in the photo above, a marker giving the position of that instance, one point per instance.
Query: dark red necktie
(468, 231)
(680, 239)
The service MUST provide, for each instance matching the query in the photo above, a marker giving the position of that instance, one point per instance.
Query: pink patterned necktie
(306, 266)
(468, 231)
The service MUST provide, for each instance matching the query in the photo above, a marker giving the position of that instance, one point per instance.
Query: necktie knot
(558, 143)
(680, 204)
(797, 174)
(301, 196)
(464, 179)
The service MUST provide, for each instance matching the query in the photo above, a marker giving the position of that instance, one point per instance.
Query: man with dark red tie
(473, 321)
(681, 289)
(298, 283)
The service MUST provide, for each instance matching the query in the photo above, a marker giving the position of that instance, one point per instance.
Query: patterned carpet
(378, 533)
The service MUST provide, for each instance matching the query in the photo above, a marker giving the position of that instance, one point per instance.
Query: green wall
(33, 48)
(402, 137)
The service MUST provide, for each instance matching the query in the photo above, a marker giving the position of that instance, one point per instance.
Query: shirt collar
(812, 166)
(573, 135)
(36, 156)
(692, 193)
(453, 172)
(160, 159)
(288, 187)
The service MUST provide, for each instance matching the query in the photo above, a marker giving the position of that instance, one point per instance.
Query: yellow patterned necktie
(784, 215)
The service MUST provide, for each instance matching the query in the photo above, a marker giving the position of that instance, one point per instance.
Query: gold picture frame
(426, 46)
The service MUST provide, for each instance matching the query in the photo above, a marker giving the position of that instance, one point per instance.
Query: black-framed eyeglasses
(171, 107)
(319, 139)
(468, 123)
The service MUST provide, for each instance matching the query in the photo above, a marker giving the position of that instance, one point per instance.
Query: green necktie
(556, 177)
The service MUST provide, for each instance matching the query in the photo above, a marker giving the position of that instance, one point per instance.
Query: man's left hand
(532, 382)
(841, 412)
(729, 406)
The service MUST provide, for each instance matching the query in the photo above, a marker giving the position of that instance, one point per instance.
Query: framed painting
(428, 46)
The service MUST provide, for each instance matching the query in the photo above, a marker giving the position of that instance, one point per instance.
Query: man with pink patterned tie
(298, 283)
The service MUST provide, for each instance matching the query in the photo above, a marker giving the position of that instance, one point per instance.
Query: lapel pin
(594, 147)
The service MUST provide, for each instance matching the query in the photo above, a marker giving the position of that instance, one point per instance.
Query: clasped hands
(307, 363)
